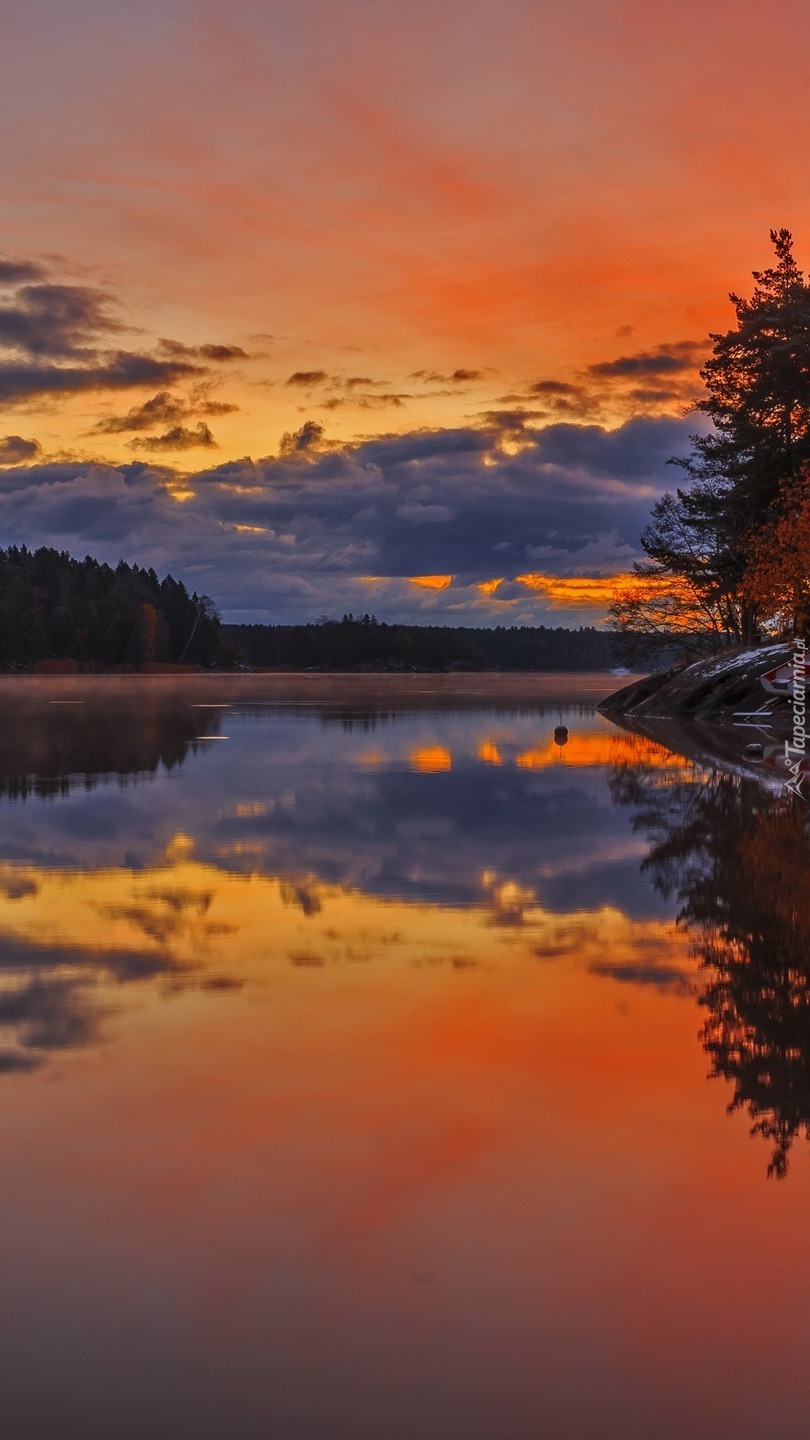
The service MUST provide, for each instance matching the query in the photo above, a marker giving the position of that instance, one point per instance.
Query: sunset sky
(349, 306)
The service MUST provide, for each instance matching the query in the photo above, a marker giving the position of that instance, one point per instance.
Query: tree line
(53, 607)
(363, 642)
(56, 608)
(728, 552)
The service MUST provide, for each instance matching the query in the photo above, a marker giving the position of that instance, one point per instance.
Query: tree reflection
(736, 857)
(52, 741)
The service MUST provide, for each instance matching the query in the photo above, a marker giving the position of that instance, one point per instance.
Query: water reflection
(459, 810)
(57, 736)
(734, 856)
(342, 1087)
(614, 852)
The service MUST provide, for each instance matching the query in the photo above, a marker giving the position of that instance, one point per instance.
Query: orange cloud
(432, 582)
(569, 592)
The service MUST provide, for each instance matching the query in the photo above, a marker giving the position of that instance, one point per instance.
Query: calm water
(367, 1061)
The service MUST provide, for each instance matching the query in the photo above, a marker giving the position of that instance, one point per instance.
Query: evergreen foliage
(357, 643)
(53, 607)
(699, 540)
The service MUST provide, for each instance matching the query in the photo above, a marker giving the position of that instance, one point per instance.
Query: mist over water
(366, 1052)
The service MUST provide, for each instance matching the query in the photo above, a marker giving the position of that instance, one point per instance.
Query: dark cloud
(553, 387)
(219, 354)
(663, 976)
(511, 422)
(382, 400)
(377, 400)
(51, 1014)
(673, 359)
(55, 341)
(15, 1061)
(14, 450)
(307, 377)
(457, 377)
(290, 535)
(18, 272)
(653, 395)
(124, 370)
(163, 409)
(56, 322)
(559, 398)
(302, 442)
(214, 407)
(222, 353)
(179, 437)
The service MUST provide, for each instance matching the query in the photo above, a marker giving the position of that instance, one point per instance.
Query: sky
(332, 305)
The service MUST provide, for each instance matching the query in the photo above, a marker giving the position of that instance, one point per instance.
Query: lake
(375, 1066)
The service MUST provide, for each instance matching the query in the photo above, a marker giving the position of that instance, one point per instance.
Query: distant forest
(55, 608)
(364, 643)
(98, 617)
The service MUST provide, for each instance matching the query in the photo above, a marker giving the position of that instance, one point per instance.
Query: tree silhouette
(53, 607)
(757, 381)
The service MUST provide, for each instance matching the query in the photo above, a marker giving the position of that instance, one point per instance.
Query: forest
(55, 608)
(364, 643)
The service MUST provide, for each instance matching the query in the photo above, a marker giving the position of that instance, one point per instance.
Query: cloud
(307, 378)
(179, 437)
(301, 442)
(17, 272)
(14, 450)
(460, 376)
(222, 353)
(553, 388)
(663, 976)
(55, 340)
(163, 409)
(124, 370)
(217, 353)
(49, 321)
(672, 359)
(421, 514)
(323, 527)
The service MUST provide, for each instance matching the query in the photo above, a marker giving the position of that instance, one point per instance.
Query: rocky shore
(716, 690)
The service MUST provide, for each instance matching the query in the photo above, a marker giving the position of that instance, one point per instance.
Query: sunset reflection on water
(339, 1090)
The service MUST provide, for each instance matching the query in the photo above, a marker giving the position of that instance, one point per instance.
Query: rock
(720, 688)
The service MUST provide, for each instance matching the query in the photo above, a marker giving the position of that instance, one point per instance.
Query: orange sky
(404, 222)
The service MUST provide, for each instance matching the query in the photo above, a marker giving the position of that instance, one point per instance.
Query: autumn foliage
(777, 580)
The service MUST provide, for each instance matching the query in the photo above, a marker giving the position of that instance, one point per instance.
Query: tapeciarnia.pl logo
(796, 748)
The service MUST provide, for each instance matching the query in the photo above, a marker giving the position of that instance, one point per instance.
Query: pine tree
(757, 381)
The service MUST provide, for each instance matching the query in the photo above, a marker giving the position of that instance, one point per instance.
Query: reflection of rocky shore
(54, 737)
(713, 745)
(736, 858)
